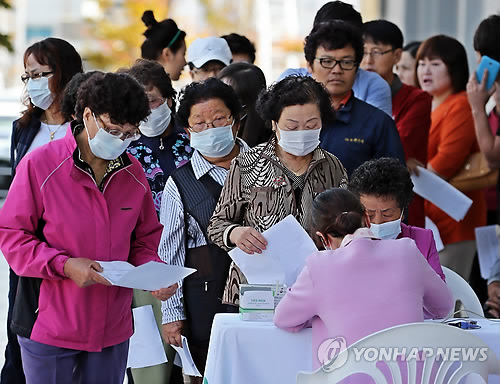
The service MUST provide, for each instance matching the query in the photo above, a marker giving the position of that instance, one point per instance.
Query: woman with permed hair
(277, 178)
(357, 274)
(49, 65)
(73, 203)
(385, 189)
(165, 43)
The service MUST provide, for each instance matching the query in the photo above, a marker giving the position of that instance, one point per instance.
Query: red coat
(411, 110)
(451, 140)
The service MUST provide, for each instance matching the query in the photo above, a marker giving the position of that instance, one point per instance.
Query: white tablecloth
(258, 352)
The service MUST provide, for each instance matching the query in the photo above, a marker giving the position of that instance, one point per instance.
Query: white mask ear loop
(324, 243)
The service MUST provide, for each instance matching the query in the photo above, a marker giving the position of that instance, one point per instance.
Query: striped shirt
(173, 239)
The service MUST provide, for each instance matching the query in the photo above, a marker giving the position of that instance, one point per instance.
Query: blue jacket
(361, 132)
(21, 140)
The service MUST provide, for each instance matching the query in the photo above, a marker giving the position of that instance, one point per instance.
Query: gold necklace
(295, 172)
(52, 133)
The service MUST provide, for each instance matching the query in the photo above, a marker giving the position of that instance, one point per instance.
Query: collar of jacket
(269, 153)
(344, 113)
(80, 172)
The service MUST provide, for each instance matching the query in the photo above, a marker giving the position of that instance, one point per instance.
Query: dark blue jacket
(361, 132)
(21, 140)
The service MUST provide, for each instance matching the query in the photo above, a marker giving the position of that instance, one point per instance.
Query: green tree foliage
(5, 39)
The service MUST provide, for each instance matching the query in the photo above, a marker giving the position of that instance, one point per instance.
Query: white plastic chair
(411, 336)
(462, 291)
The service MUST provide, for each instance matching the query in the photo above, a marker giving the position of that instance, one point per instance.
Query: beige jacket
(258, 193)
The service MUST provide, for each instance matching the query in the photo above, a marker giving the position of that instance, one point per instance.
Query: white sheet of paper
(487, 248)
(145, 348)
(186, 361)
(149, 277)
(440, 193)
(429, 224)
(288, 246)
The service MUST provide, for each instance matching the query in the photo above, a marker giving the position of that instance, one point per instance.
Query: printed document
(149, 277)
(288, 246)
(487, 248)
(441, 193)
(184, 359)
(145, 347)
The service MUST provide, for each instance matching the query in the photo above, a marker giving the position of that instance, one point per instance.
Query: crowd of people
(120, 166)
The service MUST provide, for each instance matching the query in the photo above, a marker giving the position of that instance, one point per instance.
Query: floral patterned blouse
(159, 158)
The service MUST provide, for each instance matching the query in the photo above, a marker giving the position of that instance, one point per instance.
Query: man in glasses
(411, 107)
(360, 132)
(368, 86)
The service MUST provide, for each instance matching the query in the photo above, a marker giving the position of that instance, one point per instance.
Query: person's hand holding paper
(288, 246)
(160, 278)
(248, 239)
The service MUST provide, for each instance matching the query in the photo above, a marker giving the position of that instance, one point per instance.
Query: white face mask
(387, 231)
(299, 143)
(157, 121)
(214, 142)
(40, 93)
(104, 145)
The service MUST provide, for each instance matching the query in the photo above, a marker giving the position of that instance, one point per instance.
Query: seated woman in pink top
(356, 275)
(385, 189)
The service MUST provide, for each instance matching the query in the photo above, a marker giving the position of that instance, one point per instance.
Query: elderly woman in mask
(65, 213)
(280, 177)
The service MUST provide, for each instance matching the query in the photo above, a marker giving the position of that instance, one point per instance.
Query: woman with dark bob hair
(48, 66)
(209, 111)
(280, 177)
(385, 189)
(165, 43)
(442, 71)
(389, 278)
(248, 81)
(66, 211)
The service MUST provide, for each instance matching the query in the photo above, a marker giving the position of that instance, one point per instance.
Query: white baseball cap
(203, 50)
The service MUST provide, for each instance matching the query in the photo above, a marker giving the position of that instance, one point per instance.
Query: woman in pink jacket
(385, 189)
(74, 202)
(360, 284)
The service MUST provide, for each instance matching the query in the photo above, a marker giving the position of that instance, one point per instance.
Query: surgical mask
(214, 142)
(106, 146)
(299, 143)
(39, 92)
(387, 231)
(157, 121)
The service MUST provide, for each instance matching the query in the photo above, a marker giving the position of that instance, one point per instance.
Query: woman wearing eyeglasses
(74, 203)
(49, 65)
(278, 178)
(210, 112)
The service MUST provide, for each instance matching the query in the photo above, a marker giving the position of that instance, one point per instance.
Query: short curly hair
(199, 92)
(294, 90)
(116, 94)
(68, 102)
(383, 177)
(331, 36)
(152, 74)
